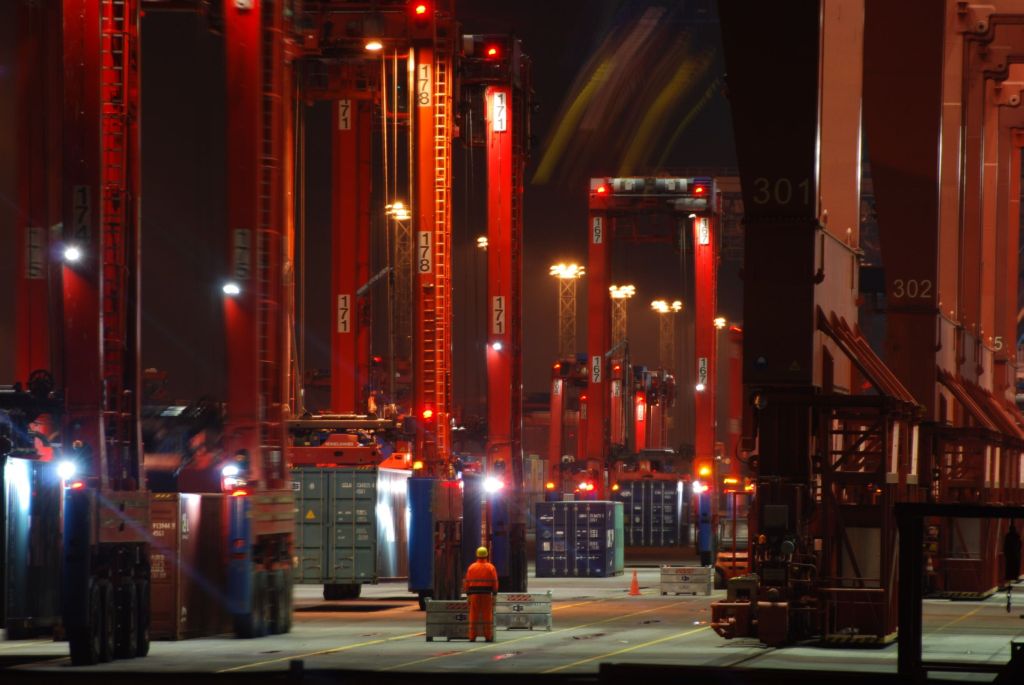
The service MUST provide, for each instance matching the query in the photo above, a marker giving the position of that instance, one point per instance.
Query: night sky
(622, 88)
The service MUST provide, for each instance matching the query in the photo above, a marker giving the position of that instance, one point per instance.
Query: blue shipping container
(656, 512)
(576, 539)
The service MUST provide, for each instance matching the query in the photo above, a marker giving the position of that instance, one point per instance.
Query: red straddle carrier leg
(350, 252)
(432, 257)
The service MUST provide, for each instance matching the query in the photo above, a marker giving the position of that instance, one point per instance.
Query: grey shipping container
(576, 539)
(351, 527)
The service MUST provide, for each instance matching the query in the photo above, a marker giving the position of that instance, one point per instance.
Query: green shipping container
(620, 548)
(352, 525)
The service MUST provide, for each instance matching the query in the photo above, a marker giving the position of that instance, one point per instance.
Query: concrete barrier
(448, 619)
(692, 580)
(523, 611)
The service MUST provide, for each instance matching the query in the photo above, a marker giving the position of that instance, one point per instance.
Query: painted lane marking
(958, 619)
(505, 643)
(322, 652)
(624, 650)
(26, 644)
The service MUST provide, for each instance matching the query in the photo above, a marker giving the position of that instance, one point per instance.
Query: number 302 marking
(912, 288)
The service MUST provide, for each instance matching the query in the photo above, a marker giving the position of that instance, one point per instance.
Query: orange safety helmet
(481, 552)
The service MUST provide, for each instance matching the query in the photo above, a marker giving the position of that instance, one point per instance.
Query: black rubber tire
(275, 598)
(254, 624)
(333, 591)
(342, 591)
(142, 618)
(126, 639)
(287, 590)
(108, 626)
(84, 643)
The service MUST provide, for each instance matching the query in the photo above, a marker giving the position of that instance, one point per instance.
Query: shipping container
(435, 534)
(187, 557)
(620, 548)
(475, 500)
(656, 512)
(577, 539)
(352, 527)
(30, 495)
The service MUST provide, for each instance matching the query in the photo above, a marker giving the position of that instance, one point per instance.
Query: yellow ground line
(567, 606)
(505, 643)
(958, 619)
(322, 652)
(33, 664)
(26, 644)
(626, 649)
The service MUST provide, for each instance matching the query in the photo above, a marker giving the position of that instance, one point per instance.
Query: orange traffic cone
(634, 586)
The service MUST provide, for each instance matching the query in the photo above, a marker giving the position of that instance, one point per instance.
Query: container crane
(832, 459)
(691, 203)
(951, 284)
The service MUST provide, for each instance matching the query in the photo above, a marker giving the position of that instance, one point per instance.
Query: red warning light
(428, 414)
(557, 366)
(602, 189)
(699, 190)
(420, 9)
(492, 51)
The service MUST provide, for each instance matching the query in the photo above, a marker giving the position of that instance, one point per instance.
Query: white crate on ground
(692, 580)
(522, 610)
(447, 619)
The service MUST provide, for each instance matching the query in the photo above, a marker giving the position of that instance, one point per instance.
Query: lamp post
(621, 295)
(667, 331)
(399, 301)
(567, 275)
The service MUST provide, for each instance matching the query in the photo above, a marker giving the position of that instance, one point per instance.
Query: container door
(311, 492)
(353, 531)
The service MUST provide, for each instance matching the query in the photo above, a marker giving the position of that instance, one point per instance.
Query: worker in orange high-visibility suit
(481, 586)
